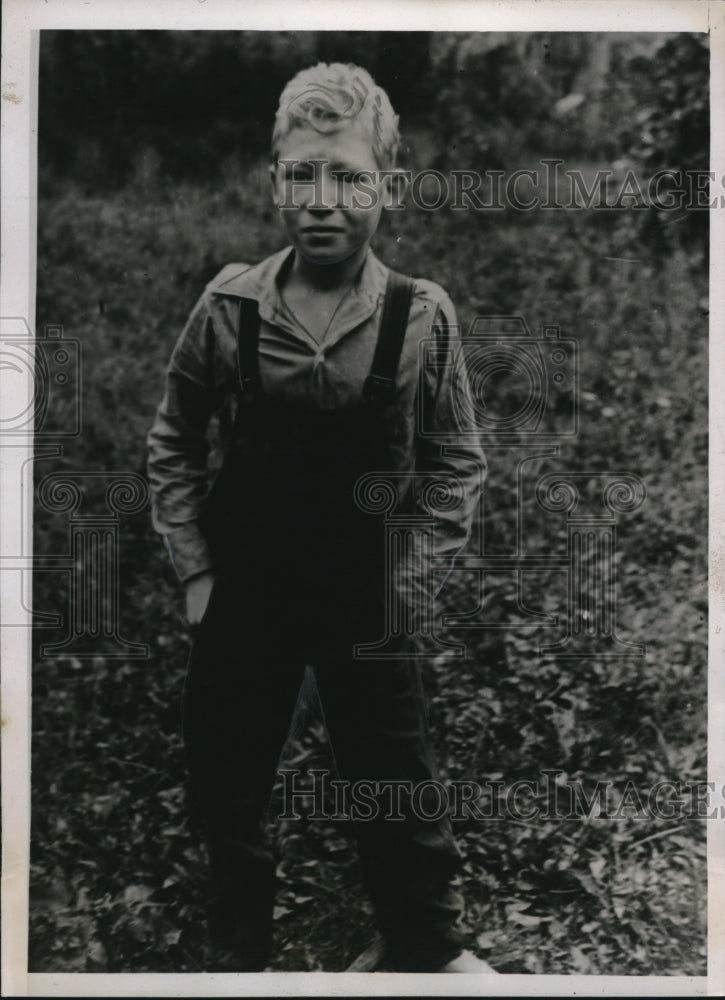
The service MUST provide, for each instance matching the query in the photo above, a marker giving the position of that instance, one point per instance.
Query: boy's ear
(273, 181)
(396, 182)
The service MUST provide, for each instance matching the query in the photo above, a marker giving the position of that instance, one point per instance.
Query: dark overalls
(300, 581)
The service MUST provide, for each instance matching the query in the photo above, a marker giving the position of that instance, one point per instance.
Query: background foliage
(152, 177)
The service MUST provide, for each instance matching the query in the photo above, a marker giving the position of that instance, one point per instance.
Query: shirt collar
(261, 283)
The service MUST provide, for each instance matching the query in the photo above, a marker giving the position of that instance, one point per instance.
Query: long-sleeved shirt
(429, 413)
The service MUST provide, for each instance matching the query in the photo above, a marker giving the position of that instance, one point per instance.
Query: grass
(117, 878)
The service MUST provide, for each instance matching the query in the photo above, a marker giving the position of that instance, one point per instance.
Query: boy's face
(328, 191)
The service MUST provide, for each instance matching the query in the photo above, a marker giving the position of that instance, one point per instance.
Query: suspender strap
(247, 344)
(380, 383)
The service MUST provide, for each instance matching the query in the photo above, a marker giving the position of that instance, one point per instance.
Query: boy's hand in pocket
(198, 592)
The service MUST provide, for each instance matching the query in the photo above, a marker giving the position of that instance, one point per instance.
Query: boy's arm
(178, 447)
(448, 444)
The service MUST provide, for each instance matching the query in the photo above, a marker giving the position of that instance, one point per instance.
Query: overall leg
(375, 716)
(238, 700)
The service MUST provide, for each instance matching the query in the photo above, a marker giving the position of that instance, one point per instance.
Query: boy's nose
(323, 197)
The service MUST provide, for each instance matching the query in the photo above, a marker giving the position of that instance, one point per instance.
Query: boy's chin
(318, 255)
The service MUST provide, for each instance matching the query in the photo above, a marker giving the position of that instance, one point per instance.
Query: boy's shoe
(230, 947)
(369, 960)
(373, 960)
(231, 960)
(469, 963)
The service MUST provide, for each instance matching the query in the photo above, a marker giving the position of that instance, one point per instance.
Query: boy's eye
(352, 176)
(301, 172)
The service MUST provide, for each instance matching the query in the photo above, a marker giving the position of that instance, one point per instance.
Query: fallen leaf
(597, 866)
(580, 961)
(517, 904)
(136, 894)
(525, 919)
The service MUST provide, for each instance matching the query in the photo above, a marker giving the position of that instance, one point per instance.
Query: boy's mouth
(321, 230)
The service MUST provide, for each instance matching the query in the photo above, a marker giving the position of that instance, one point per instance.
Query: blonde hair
(328, 95)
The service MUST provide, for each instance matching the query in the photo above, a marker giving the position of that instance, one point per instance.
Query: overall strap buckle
(378, 387)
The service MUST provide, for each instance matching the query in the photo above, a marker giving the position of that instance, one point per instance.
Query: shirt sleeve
(452, 442)
(178, 447)
(450, 464)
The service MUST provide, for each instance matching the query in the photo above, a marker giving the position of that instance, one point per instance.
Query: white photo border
(22, 22)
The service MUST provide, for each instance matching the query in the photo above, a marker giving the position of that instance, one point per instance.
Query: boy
(281, 567)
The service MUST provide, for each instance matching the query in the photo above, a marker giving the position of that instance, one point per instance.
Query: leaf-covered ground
(117, 876)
